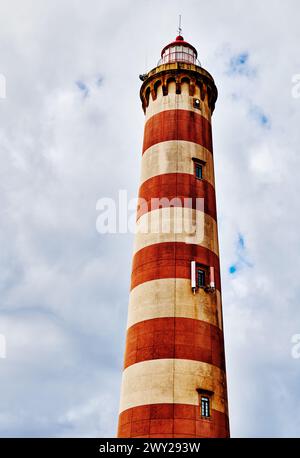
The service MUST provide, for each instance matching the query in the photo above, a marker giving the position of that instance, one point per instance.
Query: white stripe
(172, 381)
(176, 224)
(176, 157)
(170, 297)
(174, 101)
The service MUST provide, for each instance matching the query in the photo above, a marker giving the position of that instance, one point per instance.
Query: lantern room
(179, 51)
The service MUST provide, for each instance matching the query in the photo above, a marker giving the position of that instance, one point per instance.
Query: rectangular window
(200, 278)
(205, 407)
(196, 104)
(199, 171)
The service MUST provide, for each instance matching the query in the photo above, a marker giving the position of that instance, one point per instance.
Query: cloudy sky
(70, 133)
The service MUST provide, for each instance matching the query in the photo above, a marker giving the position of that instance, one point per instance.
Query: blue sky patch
(82, 87)
(232, 269)
(241, 242)
(239, 65)
(242, 256)
(259, 116)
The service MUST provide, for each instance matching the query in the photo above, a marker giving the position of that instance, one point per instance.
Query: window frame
(199, 166)
(195, 104)
(205, 406)
(206, 394)
(198, 162)
(200, 268)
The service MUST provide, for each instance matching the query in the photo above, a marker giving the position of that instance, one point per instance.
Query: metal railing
(179, 57)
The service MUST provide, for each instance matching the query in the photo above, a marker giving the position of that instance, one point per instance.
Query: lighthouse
(174, 377)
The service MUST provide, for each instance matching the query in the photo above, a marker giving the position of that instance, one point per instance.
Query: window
(200, 278)
(196, 103)
(205, 407)
(199, 171)
(199, 168)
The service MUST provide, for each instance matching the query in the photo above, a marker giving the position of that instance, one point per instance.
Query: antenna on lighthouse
(179, 25)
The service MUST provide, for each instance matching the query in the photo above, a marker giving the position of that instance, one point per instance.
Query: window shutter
(212, 277)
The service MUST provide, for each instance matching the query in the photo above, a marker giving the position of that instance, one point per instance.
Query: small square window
(200, 278)
(199, 171)
(196, 104)
(205, 406)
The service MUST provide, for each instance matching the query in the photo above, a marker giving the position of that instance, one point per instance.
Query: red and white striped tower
(174, 379)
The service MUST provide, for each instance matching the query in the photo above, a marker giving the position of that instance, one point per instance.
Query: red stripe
(178, 125)
(179, 338)
(171, 260)
(177, 187)
(171, 420)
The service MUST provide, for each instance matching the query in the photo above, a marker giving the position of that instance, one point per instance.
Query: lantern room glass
(179, 54)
